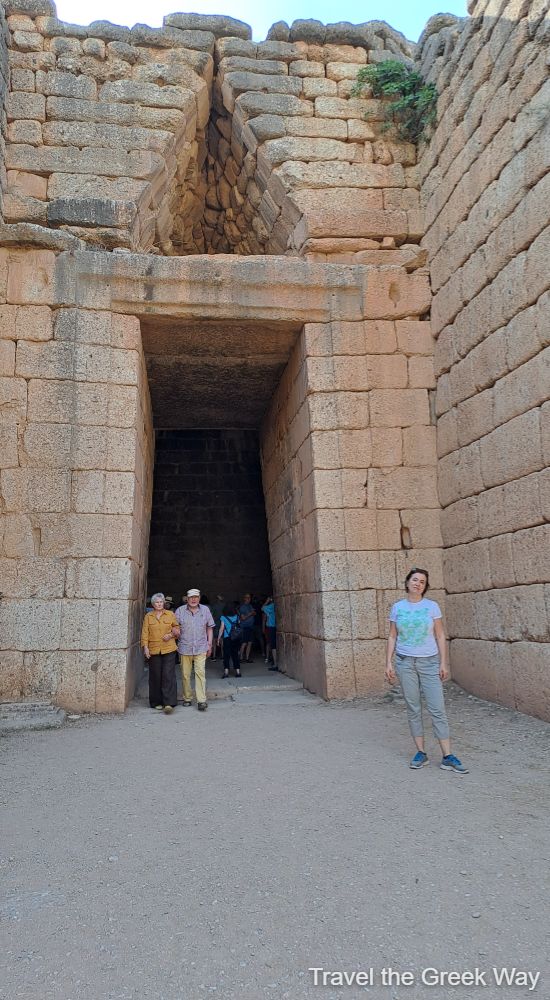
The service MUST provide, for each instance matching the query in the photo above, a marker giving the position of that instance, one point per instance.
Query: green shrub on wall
(412, 108)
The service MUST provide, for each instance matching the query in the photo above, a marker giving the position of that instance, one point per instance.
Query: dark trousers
(231, 652)
(162, 680)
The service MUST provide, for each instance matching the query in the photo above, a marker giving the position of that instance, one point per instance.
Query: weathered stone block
(531, 550)
(513, 450)
(467, 567)
(251, 104)
(386, 446)
(419, 446)
(60, 84)
(91, 212)
(29, 107)
(23, 490)
(402, 488)
(399, 407)
(219, 25)
(31, 277)
(7, 358)
(30, 625)
(532, 685)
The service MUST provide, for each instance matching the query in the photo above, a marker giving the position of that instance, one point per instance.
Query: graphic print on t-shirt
(413, 625)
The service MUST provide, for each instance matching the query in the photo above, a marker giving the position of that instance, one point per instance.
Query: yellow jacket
(153, 630)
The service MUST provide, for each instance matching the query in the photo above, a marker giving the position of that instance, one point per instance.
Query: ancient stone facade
(201, 231)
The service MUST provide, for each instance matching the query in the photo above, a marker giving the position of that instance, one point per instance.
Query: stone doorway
(315, 357)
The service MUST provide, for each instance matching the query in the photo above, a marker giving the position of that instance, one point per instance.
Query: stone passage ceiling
(213, 374)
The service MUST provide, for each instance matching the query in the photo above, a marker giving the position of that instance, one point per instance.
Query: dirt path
(223, 855)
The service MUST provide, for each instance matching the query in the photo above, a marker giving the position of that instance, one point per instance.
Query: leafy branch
(412, 108)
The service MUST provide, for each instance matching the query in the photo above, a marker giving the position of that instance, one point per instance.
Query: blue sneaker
(452, 763)
(420, 759)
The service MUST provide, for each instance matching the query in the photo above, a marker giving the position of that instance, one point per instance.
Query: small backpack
(236, 631)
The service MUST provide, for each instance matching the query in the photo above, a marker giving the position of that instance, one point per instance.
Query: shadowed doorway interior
(211, 384)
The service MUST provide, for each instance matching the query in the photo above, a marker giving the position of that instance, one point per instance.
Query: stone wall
(194, 147)
(348, 449)
(194, 139)
(208, 524)
(4, 88)
(75, 487)
(486, 194)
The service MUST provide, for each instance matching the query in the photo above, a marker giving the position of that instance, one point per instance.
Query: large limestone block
(342, 211)
(220, 25)
(28, 132)
(95, 212)
(76, 688)
(78, 187)
(279, 151)
(89, 363)
(419, 446)
(270, 66)
(424, 528)
(237, 83)
(11, 675)
(8, 446)
(402, 487)
(79, 624)
(112, 693)
(468, 567)
(98, 161)
(251, 104)
(7, 358)
(23, 490)
(387, 446)
(32, 8)
(513, 450)
(530, 553)
(68, 109)
(391, 294)
(21, 105)
(13, 399)
(88, 403)
(31, 277)
(372, 529)
(116, 137)
(56, 83)
(149, 94)
(399, 407)
(315, 128)
(460, 521)
(30, 624)
(340, 107)
(512, 613)
(531, 678)
(86, 535)
(319, 87)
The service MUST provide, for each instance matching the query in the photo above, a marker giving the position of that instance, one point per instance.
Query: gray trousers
(420, 675)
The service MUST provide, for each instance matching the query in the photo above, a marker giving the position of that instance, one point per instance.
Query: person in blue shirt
(268, 610)
(230, 623)
(417, 638)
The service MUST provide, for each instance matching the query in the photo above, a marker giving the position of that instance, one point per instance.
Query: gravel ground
(225, 854)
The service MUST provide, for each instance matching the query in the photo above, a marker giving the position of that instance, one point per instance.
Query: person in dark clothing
(230, 635)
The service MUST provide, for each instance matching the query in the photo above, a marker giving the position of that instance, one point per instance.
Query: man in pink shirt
(194, 645)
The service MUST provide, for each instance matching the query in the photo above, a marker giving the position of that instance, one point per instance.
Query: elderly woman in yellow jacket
(158, 639)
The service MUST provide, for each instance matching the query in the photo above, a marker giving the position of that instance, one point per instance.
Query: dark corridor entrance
(208, 523)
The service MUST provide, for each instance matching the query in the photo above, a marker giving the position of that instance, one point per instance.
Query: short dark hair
(417, 569)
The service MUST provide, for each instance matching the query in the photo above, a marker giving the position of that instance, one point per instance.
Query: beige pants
(199, 660)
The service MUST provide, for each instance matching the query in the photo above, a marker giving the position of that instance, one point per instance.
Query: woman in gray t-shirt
(418, 640)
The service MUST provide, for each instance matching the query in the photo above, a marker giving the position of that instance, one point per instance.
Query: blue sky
(408, 16)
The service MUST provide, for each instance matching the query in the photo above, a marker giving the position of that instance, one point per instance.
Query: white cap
(193, 593)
